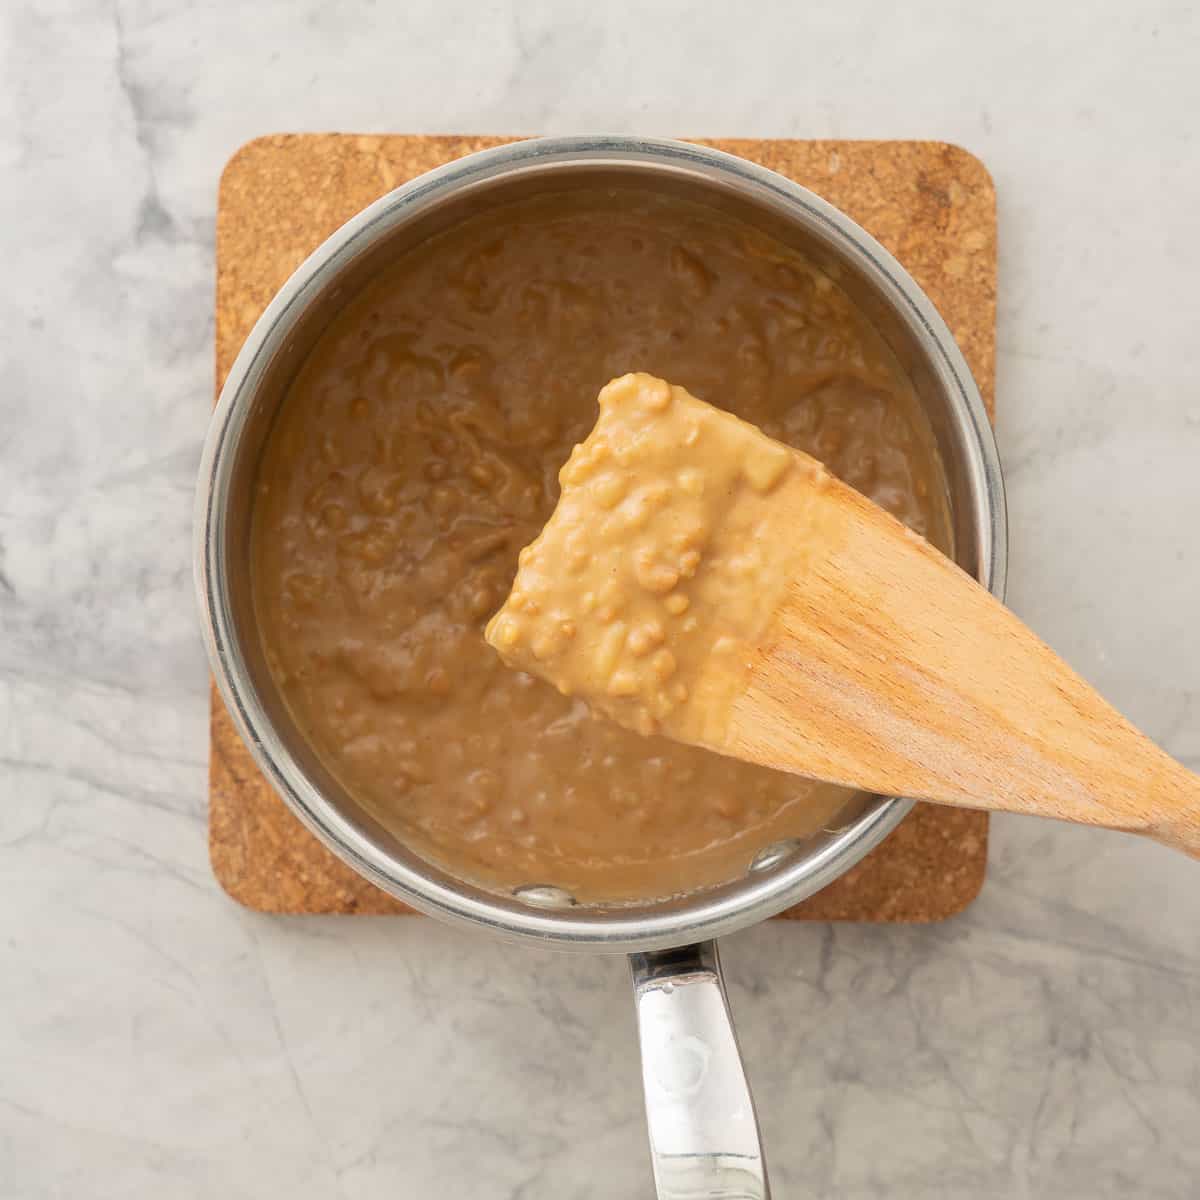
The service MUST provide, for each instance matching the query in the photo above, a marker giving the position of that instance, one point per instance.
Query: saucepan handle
(703, 1131)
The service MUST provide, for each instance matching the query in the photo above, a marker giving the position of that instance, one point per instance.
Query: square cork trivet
(932, 205)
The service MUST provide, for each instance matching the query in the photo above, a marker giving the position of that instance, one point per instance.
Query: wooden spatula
(878, 663)
(887, 667)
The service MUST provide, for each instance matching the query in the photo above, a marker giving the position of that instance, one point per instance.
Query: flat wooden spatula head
(701, 580)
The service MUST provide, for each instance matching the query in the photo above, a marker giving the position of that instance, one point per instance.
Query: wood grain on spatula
(887, 667)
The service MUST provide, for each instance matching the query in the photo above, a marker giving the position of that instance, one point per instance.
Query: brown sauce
(418, 451)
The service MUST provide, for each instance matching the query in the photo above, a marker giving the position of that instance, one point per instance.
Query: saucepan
(703, 1132)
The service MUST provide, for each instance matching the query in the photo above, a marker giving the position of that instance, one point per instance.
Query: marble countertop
(157, 1040)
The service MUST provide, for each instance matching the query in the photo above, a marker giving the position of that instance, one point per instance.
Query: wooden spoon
(876, 662)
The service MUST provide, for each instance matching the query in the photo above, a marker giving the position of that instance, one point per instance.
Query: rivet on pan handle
(704, 1138)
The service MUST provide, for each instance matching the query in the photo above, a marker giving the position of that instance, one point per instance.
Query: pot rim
(702, 915)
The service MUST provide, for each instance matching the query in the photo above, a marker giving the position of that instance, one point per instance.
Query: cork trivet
(930, 204)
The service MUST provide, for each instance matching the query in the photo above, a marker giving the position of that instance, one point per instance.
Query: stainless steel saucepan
(703, 1133)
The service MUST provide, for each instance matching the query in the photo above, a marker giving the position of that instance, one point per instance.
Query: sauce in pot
(418, 451)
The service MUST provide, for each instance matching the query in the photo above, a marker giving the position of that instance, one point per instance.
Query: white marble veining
(156, 1040)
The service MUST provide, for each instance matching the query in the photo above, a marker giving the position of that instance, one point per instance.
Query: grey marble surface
(156, 1040)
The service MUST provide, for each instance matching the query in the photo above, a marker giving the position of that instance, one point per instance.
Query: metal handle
(704, 1140)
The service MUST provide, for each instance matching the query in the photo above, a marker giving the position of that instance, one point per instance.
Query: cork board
(930, 204)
